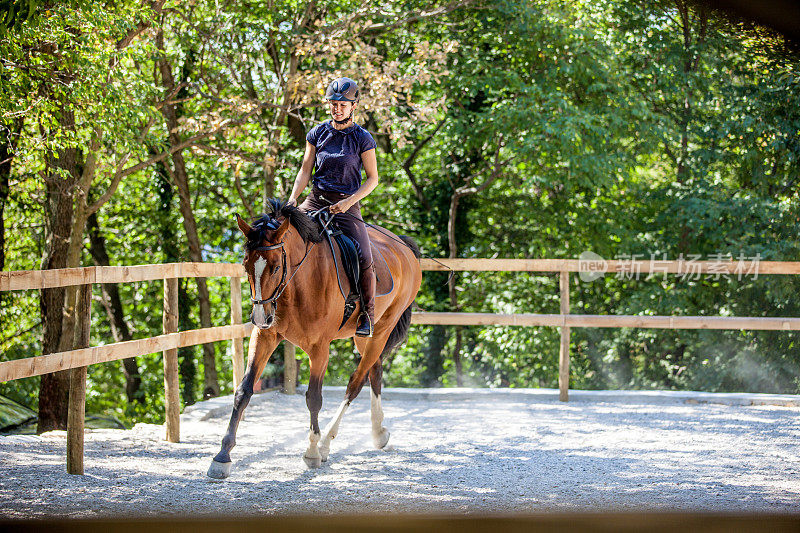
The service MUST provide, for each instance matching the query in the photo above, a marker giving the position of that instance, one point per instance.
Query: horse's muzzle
(261, 319)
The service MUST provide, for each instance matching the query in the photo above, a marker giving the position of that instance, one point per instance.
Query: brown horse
(285, 258)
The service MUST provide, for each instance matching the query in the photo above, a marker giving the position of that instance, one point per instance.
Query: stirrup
(364, 328)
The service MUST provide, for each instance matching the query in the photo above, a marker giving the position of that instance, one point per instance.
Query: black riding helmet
(343, 90)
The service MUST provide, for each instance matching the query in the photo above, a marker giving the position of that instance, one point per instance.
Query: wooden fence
(630, 269)
(78, 359)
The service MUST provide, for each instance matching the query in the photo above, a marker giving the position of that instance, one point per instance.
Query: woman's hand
(292, 202)
(341, 206)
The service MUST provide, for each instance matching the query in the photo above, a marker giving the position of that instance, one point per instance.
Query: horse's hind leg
(262, 343)
(380, 435)
(370, 350)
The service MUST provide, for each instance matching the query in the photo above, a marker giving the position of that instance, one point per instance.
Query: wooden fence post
(171, 386)
(77, 384)
(563, 354)
(289, 368)
(238, 342)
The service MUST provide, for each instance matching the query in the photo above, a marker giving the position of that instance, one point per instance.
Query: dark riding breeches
(350, 222)
(353, 226)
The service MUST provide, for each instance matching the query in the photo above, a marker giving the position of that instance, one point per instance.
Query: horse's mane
(308, 228)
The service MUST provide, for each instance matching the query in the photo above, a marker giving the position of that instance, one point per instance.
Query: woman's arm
(304, 175)
(370, 163)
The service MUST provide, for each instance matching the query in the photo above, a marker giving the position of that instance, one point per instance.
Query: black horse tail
(411, 243)
(400, 331)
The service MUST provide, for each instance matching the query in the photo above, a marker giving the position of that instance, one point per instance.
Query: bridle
(284, 283)
(278, 289)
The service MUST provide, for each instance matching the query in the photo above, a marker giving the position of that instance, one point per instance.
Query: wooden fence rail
(613, 266)
(608, 321)
(45, 364)
(168, 343)
(65, 277)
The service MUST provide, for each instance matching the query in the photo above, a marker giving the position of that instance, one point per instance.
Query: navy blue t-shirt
(337, 167)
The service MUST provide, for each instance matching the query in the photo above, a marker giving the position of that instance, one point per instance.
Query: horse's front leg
(319, 364)
(262, 343)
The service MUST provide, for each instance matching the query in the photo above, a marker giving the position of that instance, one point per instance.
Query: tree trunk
(54, 388)
(271, 157)
(433, 367)
(457, 357)
(451, 284)
(115, 313)
(452, 221)
(67, 211)
(187, 367)
(181, 179)
(690, 63)
(187, 356)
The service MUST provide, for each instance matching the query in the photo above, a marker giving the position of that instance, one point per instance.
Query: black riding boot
(366, 321)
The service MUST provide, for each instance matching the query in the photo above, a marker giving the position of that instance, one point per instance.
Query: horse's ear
(244, 227)
(281, 230)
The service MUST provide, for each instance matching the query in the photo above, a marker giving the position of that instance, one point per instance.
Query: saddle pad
(384, 282)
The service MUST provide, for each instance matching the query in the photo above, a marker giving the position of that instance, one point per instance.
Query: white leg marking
(331, 430)
(312, 457)
(380, 435)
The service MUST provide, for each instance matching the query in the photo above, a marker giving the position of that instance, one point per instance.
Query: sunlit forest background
(132, 132)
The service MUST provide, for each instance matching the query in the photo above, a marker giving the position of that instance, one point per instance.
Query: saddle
(351, 265)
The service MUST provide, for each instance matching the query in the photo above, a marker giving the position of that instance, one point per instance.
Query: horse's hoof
(323, 452)
(312, 462)
(219, 470)
(381, 438)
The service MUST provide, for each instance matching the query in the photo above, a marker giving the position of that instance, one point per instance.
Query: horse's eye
(275, 270)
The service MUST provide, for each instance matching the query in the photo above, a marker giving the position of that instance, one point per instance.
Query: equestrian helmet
(342, 89)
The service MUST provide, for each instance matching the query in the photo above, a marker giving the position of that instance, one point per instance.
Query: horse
(286, 258)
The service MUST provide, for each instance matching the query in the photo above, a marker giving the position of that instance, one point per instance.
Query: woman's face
(340, 110)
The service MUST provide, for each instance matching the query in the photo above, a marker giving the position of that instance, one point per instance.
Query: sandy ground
(449, 453)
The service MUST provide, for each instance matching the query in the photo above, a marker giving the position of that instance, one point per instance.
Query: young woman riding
(336, 151)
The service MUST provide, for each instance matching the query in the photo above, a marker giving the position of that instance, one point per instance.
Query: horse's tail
(411, 243)
(400, 331)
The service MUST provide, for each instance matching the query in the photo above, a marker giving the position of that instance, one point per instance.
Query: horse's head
(269, 244)
(265, 264)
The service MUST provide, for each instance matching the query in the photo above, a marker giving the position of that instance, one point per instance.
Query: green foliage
(17, 12)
